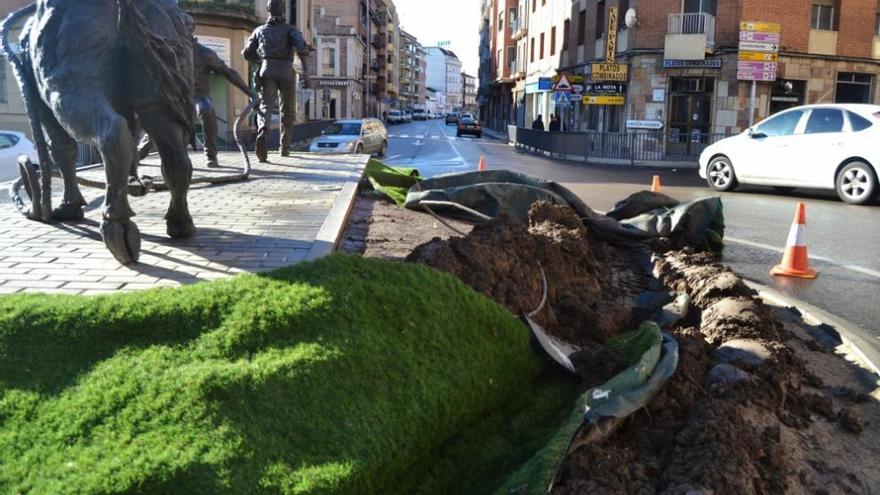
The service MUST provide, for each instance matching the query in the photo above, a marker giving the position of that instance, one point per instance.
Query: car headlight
(350, 145)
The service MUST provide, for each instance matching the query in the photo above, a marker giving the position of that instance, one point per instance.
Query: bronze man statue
(273, 45)
(205, 64)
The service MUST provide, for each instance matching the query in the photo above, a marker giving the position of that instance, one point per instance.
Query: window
(542, 46)
(824, 17)
(853, 87)
(328, 62)
(511, 16)
(877, 24)
(534, 5)
(621, 13)
(698, 6)
(501, 21)
(511, 58)
(553, 41)
(824, 120)
(783, 124)
(600, 19)
(582, 27)
(565, 28)
(532, 55)
(857, 122)
(500, 62)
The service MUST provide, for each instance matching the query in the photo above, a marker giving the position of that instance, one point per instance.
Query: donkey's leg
(170, 138)
(62, 150)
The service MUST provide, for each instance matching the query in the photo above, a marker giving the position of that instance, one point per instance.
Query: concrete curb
(334, 225)
(849, 333)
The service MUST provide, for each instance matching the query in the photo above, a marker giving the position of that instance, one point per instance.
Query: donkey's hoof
(123, 239)
(68, 212)
(180, 229)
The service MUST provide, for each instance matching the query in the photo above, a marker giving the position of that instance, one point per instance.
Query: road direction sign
(609, 72)
(759, 56)
(755, 46)
(603, 100)
(766, 27)
(756, 66)
(607, 88)
(755, 76)
(759, 37)
(562, 85)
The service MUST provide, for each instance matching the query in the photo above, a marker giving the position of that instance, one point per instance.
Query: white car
(352, 136)
(12, 145)
(830, 147)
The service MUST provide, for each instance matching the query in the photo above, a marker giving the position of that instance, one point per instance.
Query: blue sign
(545, 84)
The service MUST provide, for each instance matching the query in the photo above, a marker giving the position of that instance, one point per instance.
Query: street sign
(764, 27)
(562, 85)
(759, 37)
(609, 72)
(755, 46)
(756, 76)
(759, 56)
(608, 88)
(572, 78)
(603, 100)
(756, 66)
(644, 124)
(709, 63)
(611, 41)
(545, 84)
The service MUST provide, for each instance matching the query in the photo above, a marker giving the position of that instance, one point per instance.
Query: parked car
(352, 136)
(407, 117)
(451, 118)
(419, 115)
(394, 117)
(468, 124)
(830, 147)
(12, 145)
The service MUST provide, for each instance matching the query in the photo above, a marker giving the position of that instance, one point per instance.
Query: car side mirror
(757, 135)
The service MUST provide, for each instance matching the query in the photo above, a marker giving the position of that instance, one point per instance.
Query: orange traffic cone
(482, 167)
(655, 185)
(794, 261)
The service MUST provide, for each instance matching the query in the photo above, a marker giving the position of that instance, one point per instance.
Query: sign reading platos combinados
(609, 72)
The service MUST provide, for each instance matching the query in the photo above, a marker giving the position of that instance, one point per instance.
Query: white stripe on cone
(797, 235)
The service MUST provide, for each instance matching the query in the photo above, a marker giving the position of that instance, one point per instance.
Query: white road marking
(852, 268)
(395, 157)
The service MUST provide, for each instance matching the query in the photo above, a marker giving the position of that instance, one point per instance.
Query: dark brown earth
(760, 401)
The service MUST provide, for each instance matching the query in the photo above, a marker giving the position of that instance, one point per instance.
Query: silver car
(12, 145)
(352, 136)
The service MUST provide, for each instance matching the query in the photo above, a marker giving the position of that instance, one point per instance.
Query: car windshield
(343, 129)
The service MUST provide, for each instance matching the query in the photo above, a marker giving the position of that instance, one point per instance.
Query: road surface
(843, 240)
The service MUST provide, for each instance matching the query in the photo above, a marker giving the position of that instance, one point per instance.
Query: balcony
(237, 8)
(378, 41)
(518, 31)
(689, 36)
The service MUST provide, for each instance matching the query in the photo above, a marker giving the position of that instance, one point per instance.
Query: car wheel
(856, 183)
(480, 136)
(360, 149)
(720, 175)
(383, 150)
(457, 134)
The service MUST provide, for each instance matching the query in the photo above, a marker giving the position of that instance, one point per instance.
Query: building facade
(387, 44)
(337, 69)
(444, 75)
(468, 93)
(683, 58)
(486, 62)
(413, 64)
(545, 45)
(503, 22)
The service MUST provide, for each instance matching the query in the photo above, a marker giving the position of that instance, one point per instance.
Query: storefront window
(786, 94)
(853, 87)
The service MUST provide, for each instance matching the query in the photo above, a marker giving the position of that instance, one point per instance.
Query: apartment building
(486, 63)
(413, 65)
(503, 22)
(682, 58)
(468, 93)
(444, 75)
(546, 42)
(387, 44)
(337, 69)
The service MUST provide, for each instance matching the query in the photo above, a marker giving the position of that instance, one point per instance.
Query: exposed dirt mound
(503, 259)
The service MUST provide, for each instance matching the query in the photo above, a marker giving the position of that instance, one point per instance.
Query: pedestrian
(554, 123)
(385, 116)
(538, 124)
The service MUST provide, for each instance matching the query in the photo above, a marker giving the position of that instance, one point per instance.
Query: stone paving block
(266, 222)
(37, 284)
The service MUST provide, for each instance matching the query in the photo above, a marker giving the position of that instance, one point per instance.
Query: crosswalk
(436, 137)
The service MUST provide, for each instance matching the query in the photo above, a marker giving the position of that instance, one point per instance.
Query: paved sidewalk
(278, 217)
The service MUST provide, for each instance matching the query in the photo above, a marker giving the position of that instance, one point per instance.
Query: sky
(457, 21)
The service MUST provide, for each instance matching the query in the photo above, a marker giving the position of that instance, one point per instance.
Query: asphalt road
(843, 240)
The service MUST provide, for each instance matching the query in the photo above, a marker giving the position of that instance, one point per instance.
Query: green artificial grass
(347, 375)
(393, 182)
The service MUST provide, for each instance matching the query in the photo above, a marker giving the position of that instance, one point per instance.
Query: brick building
(413, 65)
(503, 22)
(682, 58)
(468, 93)
(337, 69)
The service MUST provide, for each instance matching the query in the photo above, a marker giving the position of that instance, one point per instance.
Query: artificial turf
(347, 375)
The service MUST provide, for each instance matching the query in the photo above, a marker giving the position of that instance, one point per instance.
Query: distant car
(352, 136)
(451, 118)
(419, 115)
(12, 145)
(394, 117)
(407, 117)
(830, 147)
(468, 124)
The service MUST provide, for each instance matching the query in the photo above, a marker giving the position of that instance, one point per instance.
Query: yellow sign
(611, 37)
(572, 78)
(759, 56)
(763, 27)
(609, 72)
(604, 100)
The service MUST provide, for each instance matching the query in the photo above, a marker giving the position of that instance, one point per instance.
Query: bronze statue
(205, 64)
(92, 72)
(273, 45)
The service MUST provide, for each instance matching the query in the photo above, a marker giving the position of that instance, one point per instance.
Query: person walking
(538, 124)
(554, 123)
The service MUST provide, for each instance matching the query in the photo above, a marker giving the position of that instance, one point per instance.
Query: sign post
(758, 56)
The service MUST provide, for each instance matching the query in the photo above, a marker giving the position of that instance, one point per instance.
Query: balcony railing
(693, 23)
(239, 7)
